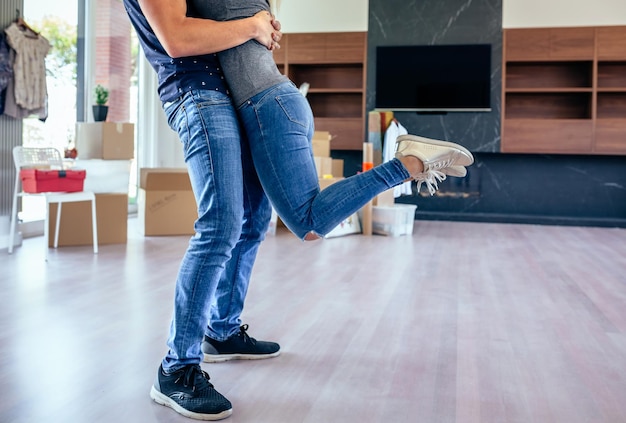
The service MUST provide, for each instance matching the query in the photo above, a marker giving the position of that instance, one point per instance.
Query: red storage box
(38, 180)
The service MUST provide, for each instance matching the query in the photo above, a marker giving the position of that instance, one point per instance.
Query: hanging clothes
(6, 69)
(394, 130)
(29, 71)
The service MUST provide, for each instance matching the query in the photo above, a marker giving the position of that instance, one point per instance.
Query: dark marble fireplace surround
(541, 189)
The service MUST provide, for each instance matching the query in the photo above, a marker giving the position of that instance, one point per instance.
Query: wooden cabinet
(333, 64)
(610, 134)
(564, 90)
(549, 44)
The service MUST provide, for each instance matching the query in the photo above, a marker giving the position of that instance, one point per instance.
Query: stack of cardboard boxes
(105, 151)
(329, 171)
(384, 216)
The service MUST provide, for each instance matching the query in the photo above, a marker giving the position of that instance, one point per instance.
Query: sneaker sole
(161, 399)
(415, 138)
(456, 171)
(213, 358)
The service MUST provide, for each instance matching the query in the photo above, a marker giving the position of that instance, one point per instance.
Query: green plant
(102, 95)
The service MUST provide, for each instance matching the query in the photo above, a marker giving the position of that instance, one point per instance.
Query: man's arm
(183, 36)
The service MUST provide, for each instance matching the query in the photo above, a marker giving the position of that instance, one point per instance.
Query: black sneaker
(189, 392)
(239, 346)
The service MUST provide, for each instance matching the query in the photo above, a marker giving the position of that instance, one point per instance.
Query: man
(233, 212)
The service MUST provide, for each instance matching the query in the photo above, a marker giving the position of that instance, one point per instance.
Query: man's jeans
(233, 216)
(279, 125)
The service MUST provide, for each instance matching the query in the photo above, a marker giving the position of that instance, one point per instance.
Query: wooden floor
(461, 322)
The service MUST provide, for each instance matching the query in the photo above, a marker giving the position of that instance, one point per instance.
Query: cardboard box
(45, 180)
(326, 182)
(324, 166)
(393, 221)
(337, 168)
(321, 143)
(105, 140)
(166, 202)
(385, 198)
(75, 226)
(327, 167)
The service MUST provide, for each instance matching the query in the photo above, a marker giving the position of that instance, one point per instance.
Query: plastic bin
(393, 220)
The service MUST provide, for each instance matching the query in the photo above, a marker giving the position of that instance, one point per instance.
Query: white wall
(352, 15)
(559, 13)
(323, 15)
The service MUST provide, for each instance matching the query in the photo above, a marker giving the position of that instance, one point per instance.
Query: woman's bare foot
(413, 165)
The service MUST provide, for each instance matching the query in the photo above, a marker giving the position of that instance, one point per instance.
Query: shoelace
(196, 378)
(243, 332)
(433, 174)
(431, 178)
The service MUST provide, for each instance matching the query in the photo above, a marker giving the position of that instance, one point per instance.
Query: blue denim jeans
(279, 126)
(233, 216)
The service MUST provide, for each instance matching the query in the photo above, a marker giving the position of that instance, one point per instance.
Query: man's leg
(208, 130)
(226, 338)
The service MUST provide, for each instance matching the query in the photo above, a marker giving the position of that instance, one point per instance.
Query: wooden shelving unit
(564, 90)
(334, 66)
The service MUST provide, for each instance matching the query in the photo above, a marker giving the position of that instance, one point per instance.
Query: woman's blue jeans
(233, 210)
(279, 126)
(233, 217)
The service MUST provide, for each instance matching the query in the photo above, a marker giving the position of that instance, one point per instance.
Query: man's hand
(269, 30)
(277, 35)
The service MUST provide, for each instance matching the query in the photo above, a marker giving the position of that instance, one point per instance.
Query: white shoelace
(431, 178)
(433, 174)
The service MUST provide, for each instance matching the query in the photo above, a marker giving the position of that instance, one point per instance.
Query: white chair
(47, 158)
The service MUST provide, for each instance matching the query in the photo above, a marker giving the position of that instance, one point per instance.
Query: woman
(233, 212)
(278, 122)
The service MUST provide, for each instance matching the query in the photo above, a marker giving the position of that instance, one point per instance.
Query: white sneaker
(440, 158)
(456, 171)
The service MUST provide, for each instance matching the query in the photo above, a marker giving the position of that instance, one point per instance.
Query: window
(92, 43)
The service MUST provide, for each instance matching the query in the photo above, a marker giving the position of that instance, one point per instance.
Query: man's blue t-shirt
(175, 76)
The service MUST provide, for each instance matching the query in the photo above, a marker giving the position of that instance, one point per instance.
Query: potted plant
(100, 109)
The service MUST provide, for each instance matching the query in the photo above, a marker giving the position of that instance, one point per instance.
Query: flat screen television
(434, 78)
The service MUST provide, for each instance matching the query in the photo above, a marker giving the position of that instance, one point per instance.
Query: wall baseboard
(522, 219)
